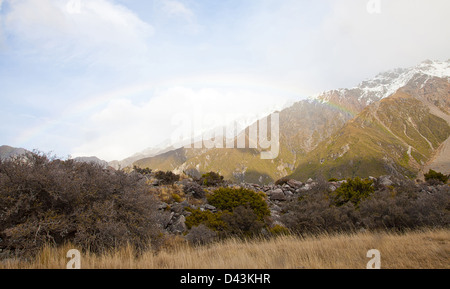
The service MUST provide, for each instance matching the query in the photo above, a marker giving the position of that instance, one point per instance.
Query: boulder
(166, 219)
(179, 207)
(295, 184)
(179, 226)
(305, 188)
(272, 191)
(277, 195)
(385, 181)
(289, 193)
(162, 206)
(210, 207)
(286, 186)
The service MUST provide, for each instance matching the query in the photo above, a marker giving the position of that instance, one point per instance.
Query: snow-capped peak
(387, 83)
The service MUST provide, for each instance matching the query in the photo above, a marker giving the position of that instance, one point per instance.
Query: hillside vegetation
(45, 202)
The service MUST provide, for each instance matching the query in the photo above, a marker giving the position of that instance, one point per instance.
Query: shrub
(436, 176)
(211, 220)
(145, 171)
(241, 212)
(399, 207)
(211, 179)
(406, 209)
(316, 212)
(167, 178)
(279, 230)
(227, 199)
(243, 222)
(177, 198)
(354, 191)
(201, 235)
(43, 200)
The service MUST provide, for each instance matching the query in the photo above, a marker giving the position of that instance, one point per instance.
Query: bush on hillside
(399, 207)
(243, 222)
(316, 212)
(211, 179)
(201, 235)
(227, 199)
(141, 171)
(433, 176)
(240, 212)
(44, 200)
(167, 178)
(354, 191)
(211, 220)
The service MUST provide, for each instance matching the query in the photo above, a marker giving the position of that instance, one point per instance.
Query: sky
(110, 78)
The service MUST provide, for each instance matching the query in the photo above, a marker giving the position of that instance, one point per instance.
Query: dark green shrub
(141, 171)
(241, 212)
(279, 230)
(436, 176)
(211, 179)
(211, 220)
(167, 178)
(227, 199)
(354, 191)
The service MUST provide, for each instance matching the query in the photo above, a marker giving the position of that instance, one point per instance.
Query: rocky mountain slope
(398, 135)
(302, 127)
(373, 125)
(8, 152)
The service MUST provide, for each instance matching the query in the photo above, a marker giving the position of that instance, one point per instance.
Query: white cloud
(354, 42)
(93, 31)
(180, 15)
(329, 44)
(176, 8)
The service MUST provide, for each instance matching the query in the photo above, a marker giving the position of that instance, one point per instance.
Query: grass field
(427, 249)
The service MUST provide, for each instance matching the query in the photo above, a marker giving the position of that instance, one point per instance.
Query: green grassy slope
(395, 135)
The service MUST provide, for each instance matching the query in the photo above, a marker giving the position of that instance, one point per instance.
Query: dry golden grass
(428, 249)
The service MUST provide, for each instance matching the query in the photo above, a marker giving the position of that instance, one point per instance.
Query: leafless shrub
(201, 235)
(401, 206)
(316, 212)
(243, 222)
(407, 209)
(44, 200)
